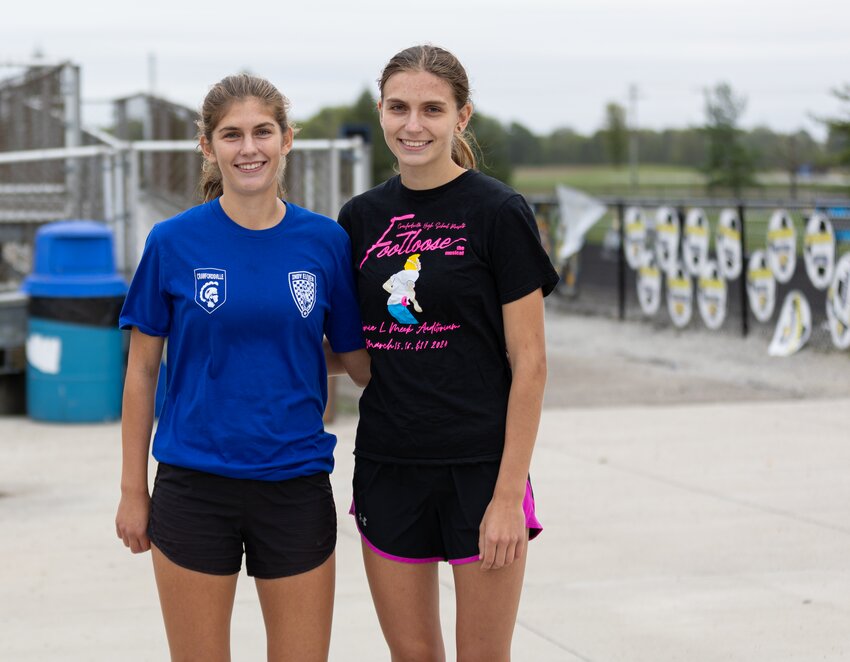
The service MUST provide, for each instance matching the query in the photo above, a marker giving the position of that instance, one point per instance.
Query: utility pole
(151, 74)
(633, 138)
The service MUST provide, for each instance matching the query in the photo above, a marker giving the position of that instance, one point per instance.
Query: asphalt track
(693, 491)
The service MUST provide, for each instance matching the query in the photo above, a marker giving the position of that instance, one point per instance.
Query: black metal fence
(604, 278)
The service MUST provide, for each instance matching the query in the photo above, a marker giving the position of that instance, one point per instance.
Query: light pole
(633, 139)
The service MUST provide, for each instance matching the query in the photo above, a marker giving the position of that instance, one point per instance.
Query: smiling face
(420, 117)
(248, 147)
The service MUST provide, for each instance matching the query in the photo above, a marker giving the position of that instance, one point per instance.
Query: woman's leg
(487, 605)
(196, 608)
(407, 600)
(298, 611)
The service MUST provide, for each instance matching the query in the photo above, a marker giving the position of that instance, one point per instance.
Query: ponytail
(211, 186)
(462, 152)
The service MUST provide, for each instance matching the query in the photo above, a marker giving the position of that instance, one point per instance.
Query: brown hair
(443, 64)
(217, 103)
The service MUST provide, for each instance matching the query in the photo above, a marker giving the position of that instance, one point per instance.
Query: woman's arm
(131, 521)
(503, 533)
(357, 364)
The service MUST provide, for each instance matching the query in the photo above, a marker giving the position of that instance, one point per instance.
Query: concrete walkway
(687, 533)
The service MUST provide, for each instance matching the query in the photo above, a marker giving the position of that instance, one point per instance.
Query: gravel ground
(598, 362)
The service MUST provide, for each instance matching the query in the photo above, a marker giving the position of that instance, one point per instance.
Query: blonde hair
(218, 102)
(410, 264)
(443, 64)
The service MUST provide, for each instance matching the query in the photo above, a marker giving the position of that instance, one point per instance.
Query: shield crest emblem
(210, 288)
(302, 285)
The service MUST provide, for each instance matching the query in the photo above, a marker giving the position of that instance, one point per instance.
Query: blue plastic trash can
(75, 351)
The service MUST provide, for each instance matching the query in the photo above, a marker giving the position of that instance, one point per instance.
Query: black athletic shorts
(426, 513)
(204, 522)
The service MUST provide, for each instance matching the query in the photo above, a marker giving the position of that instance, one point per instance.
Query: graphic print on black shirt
(403, 326)
(433, 269)
(402, 289)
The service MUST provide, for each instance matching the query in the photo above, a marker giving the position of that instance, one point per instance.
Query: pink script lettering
(406, 242)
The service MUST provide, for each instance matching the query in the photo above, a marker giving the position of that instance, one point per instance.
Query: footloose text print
(403, 236)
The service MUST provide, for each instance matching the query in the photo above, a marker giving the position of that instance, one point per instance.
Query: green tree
(809, 150)
(838, 141)
(651, 146)
(493, 147)
(729, 163)
(523, 145)
(616, 134)
(329, 123)
(324, 124)
(563, 145)
(593, 151)
(687, 147)
(766, 147)
(364, 112)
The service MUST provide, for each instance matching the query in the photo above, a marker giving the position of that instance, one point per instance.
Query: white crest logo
(210, 288)
(302, 284)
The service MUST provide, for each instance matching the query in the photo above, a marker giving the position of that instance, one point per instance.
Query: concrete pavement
(690, 532)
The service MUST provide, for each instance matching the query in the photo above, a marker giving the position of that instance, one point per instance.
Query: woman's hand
(131, 521)
(503, 535)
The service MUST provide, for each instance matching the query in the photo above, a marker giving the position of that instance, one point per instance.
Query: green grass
(664, 181)
(543, 179)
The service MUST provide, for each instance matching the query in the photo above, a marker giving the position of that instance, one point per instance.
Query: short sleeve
(344, 218)
(147, 306)
(519, 263)
(343, 326)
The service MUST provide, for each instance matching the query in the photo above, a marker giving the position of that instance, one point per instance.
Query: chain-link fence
(145, 169)
(320, 174)
(727, 266)
(32, 109)
(40, 112)
(132, 185)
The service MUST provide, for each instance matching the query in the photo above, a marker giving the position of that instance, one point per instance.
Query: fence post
(70, 84)
(361, 166)
(132, 254)
(333, 199)
(309, 181)
(109, 216)
(621, 262)
(745, 304)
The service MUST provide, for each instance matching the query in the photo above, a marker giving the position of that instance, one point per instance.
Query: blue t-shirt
(244, 312)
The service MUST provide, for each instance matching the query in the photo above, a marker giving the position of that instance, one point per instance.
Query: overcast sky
(544, 63)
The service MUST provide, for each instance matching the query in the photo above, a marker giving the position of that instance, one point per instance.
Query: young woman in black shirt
(451, 278)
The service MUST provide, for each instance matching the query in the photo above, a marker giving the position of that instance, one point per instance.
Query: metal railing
(117, 183)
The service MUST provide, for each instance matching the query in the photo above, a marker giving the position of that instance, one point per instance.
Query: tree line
(719, 146)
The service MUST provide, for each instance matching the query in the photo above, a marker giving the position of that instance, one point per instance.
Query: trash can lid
(41, 285)
(77, 228)
(74, 259)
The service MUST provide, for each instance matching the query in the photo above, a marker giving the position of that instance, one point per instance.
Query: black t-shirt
(433, 269)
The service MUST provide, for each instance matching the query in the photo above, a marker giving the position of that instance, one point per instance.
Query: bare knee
(483, 651)
(408, 649)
